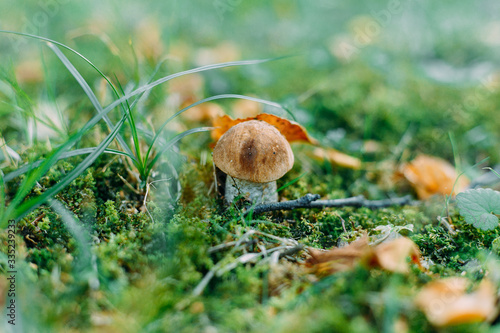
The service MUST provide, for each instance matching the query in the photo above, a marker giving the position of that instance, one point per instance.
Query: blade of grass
(40, 38)
(135, 137)
(83, 242)
(191, 71)
(27, 206)
(173, 141)
(51, 95)
(31, 180)
(2, 195)
(293, 181)
(448, 197)
(89, 92)
(77, 152)
(154, 83)
(492, 170)
(454, 148)
(208, 99)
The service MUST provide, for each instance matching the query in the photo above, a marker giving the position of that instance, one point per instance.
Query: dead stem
(311, 201)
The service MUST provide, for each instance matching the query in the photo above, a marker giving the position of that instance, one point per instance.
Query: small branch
(291, 251)
(311, 201)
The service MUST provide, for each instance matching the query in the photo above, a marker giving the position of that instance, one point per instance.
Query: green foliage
(148, 253)
(479, 207)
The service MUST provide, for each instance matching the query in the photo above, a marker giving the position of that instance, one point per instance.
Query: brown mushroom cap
(255, 151)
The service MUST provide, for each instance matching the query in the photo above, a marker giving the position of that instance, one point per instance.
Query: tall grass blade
(84, 262)
(89, 92)
(77, 152)
(27, 206)
(154, 83)
(2, 195)
(133, 128)
(173, 141)
(208, 99)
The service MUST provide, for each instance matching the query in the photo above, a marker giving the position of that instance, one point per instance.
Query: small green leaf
(479, 207)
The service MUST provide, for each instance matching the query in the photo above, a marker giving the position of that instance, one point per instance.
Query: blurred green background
(374, 70)
(379, 80)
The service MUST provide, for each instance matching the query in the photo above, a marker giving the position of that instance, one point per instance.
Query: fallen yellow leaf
(445, 301)
(291, 130)
(391, 256)
(338, 259)
(335, 157)
(431, 175)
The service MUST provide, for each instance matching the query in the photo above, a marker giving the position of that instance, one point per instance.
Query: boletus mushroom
(249, 158)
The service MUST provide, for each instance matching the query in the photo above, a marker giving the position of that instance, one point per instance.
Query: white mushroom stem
(257, 193)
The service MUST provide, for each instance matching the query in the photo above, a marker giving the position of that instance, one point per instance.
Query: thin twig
(223, 246)
(311, 201)
(144, 202)
(291, 250)
(442, 220)
(129, 185)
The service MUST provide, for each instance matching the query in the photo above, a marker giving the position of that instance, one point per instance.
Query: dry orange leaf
(336, 158)
(431, 175)
(337, 259)
(391, 256)
(222, 124)
(445, 301)
(290, 129)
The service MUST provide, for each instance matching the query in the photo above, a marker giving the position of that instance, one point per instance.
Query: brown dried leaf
(431, 175)
(222, 124)
(391, 256)
(337, 259)
(291, 130)
(445, 301)
(335, 157)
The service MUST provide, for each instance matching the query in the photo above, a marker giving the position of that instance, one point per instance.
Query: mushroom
(249, 158)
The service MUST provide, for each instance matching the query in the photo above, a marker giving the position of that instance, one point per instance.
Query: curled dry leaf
(291, 130)
(335, 157)
(446, 302)
(391, 256)
(337, 259)
(431, 175)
